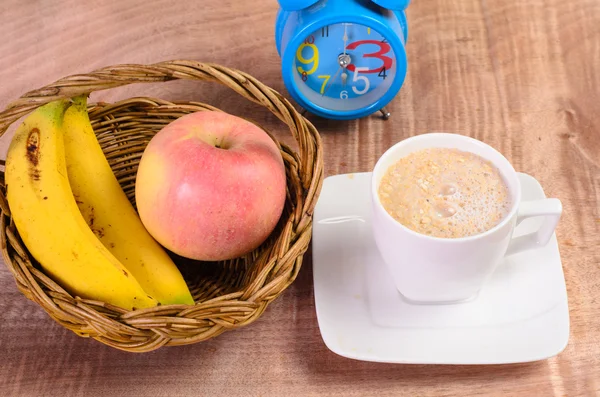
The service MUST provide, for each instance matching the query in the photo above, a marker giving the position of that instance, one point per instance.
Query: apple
(211, 186)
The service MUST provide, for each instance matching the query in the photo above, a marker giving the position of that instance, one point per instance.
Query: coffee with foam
(445, 193)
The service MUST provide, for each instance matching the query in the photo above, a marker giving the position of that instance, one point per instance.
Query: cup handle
(551, 209)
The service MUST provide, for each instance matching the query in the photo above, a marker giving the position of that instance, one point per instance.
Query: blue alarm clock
(342, 59)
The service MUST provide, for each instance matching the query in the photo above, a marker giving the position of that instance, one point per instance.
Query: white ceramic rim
(430, 135)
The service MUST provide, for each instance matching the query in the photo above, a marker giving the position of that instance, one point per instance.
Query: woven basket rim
(149, 329)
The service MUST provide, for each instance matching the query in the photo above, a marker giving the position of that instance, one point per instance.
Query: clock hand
(345, 38)
(331, 81)
(343, 60)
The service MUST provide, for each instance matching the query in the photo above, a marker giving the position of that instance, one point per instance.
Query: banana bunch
(75, 219)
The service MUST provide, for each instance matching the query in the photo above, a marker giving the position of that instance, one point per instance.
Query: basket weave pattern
(228, 294)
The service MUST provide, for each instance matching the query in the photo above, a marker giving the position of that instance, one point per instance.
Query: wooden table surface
(523, 76)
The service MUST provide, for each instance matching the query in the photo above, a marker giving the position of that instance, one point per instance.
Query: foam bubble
(460, 193)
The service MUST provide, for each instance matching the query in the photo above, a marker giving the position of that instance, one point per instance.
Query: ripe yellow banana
(111, 216)
(49, 222)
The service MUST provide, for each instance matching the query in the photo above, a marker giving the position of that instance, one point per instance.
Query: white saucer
(520, 315)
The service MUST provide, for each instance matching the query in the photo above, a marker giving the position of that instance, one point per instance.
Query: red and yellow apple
(211, 186)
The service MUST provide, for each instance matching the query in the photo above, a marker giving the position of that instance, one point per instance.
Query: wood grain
(522, 76)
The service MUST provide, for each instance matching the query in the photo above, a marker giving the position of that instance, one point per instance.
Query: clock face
(344, 67)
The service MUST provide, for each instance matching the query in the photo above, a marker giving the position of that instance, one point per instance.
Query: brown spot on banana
(99, 232)
(33, 146)
(91, 218)
(33, 153)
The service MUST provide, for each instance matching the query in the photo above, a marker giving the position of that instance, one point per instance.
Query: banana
(49, 222)
(110, 215)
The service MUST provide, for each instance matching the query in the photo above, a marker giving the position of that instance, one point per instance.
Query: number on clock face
(344, 66)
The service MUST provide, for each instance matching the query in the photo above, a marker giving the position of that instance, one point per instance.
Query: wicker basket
(228, 294)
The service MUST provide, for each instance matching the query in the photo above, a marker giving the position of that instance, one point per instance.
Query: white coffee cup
(428, 269)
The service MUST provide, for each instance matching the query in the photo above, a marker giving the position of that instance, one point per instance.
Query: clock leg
(386, 115)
